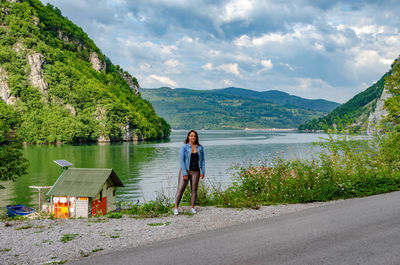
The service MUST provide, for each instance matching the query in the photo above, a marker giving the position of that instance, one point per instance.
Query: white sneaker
(192, 210)
(176, 212)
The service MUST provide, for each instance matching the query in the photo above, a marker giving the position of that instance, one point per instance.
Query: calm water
(146, 168)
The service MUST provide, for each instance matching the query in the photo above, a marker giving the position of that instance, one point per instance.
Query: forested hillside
(222, 109)
(63, 87)
(281, 98)
(355, 111)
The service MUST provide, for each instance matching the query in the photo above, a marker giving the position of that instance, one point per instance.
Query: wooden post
(68, 205)
(51, 205)
(40, 199)
(40, 193)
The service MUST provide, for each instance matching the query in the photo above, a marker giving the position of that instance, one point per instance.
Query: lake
(146, 168)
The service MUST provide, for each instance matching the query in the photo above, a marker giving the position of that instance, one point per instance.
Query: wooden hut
(84, 192)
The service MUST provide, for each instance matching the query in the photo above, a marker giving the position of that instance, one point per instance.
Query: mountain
(64, 88)
(281, 98)
(230, 108)
(356, 111)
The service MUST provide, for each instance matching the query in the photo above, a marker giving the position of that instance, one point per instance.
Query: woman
(191, 159)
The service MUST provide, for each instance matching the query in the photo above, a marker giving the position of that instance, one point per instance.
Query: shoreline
(40, 241)
(243, 129)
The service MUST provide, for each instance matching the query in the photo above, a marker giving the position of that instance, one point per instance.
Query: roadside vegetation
(347, 166)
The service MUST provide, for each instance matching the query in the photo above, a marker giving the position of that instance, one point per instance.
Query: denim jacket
(184, 158)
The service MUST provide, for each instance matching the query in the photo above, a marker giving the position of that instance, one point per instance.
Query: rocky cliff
(5, 92)
(36, 62)
(364, 112)
(375, 118)
(65, 88)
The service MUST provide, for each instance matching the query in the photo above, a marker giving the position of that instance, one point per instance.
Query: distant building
(84, 192)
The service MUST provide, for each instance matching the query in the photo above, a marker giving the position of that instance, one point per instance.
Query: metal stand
(40, 193)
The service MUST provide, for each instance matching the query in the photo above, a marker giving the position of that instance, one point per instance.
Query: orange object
(99, 207)
(60, 209)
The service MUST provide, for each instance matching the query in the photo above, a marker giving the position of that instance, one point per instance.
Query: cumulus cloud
(314, 49)
(165, 80)
(237, 9)
(267, 64)
(172, 63)
(227, 82)
(208, 66)
(230, 68)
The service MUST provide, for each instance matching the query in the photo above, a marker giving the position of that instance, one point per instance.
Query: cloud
(327, 49)
(237, 9)
(164, 80)
(208, 66)
(231, 68)
(172, 63)
(267, 64)
(227, 82)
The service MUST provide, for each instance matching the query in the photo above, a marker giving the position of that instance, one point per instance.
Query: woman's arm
(182, 161)
(203, 164)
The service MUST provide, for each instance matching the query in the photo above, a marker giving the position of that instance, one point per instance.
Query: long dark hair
(197, 137)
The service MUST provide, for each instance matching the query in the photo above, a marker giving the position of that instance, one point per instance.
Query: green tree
(12, 164)
(392, 104)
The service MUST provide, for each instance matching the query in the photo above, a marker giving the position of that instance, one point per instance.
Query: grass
(98, 220)
(158, 208)
(115, 215)
(27, 226)
(345, 168)
(188, 214)
(68, 237)
(115, 235)
(155, 224)
(56, 261)
(87, 254)
(84, 254)
(5, 250)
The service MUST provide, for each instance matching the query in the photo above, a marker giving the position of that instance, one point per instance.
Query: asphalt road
(356, 231)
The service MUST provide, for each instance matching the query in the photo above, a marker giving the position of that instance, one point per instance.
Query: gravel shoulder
(41, 241)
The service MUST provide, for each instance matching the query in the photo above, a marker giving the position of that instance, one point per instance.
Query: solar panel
(62, 163)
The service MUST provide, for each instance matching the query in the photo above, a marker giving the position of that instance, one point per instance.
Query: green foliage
(213, 109)
(281, 98)
(114, 215)
(24, 227)
(392, 104)
(80, 104)
(5, 250)
(12, 164)
(345, 168)
(68, 237)
(356, 109)
(155, 224)
(150, 209)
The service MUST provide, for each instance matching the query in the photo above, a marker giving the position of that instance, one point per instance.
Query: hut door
(110, 199)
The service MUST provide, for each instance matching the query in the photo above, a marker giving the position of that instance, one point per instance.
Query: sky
(314, 49)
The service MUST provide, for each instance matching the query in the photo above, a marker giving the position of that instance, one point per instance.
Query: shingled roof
(83, 182)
